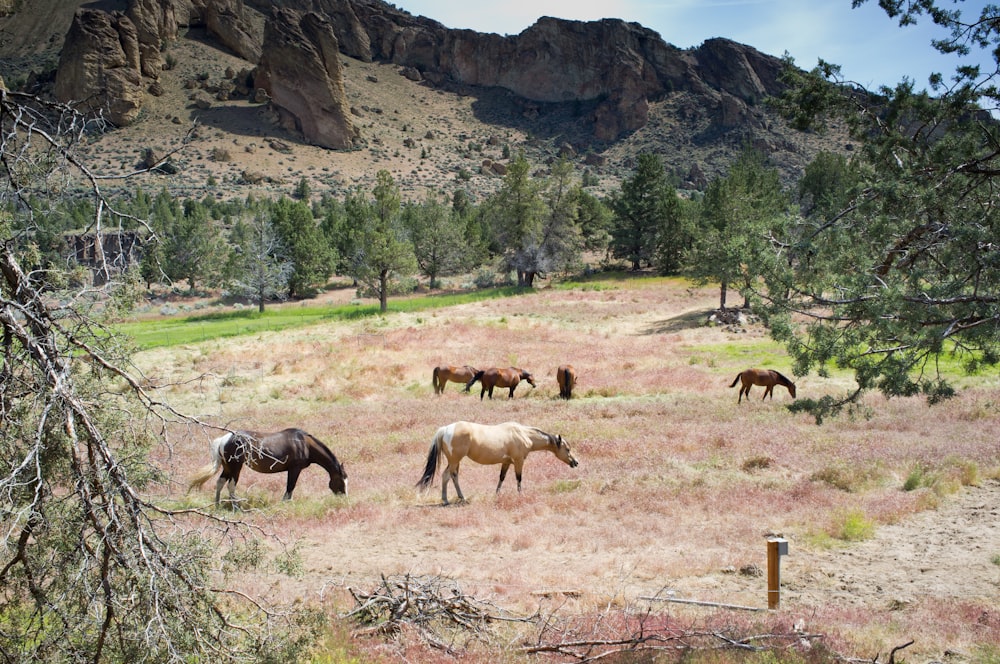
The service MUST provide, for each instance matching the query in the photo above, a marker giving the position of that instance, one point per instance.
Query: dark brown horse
(566, 377)
(766, 377)
(288, 451)
(506, 444)
(444, 373)
(495, 377)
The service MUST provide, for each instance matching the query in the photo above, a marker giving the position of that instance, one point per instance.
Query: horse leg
(293, 477)
(511, 395)
(458, 489)
(218, 486)
(445, 476)
(518, 466)
(768, 390)
(491, 393)
(503, 474)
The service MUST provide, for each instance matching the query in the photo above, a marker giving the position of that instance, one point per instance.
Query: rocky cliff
(300, 70)
(621, 66)
(617, 66)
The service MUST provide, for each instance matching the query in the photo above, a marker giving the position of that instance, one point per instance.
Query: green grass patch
(177, 331)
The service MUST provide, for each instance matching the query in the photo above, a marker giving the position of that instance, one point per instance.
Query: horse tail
(434, 378)
(736, 380)
(478, 376)
(432, 462)
(212, 467)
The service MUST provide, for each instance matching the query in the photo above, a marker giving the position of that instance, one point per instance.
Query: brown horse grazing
(444, 373)
(290, 450)
(495, 377)
(566, 377)
(766, 377)
(506, 444)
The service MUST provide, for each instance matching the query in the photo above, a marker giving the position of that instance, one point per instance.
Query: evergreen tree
(902, 270)
(515, 215)
(258, 266)
(647, 215)
(192, 247)
(382, 250)
(312, 258)
(437, 234)
(737, 218)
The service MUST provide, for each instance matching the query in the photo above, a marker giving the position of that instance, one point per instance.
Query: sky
(871, 48)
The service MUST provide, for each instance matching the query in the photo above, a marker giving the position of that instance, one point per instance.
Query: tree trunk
(723, 287)
(383, 291)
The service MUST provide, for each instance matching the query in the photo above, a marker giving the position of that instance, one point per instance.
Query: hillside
(427, 136)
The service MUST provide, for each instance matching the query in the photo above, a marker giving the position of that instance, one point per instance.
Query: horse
(506, 444)
(766, 377)
(496, 377)
(566, 377)
(444, 373)
(289, 450)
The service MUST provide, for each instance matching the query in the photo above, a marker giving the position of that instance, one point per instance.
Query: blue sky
(870, 47)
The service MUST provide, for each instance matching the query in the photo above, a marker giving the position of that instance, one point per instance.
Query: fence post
(776, 547)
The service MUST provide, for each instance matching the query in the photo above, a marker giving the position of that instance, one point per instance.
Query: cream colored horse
(507, 444)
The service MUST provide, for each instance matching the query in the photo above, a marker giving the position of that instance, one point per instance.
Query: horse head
(338, 477)
(528, 377)
(563, 453)
(338, 483)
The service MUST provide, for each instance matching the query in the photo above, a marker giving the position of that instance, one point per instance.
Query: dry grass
(677, 484)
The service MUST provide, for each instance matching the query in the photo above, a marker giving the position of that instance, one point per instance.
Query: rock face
(106, 55)
(99, 66)
(301, 72)
(623, 66)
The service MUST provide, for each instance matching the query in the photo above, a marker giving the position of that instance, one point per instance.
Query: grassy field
(677, 490)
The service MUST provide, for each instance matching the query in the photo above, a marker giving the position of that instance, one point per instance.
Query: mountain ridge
(433, 129)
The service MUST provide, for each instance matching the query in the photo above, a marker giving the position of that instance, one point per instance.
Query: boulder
(301, 72)
(99, 67)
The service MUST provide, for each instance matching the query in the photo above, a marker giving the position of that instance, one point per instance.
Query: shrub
(854, 526)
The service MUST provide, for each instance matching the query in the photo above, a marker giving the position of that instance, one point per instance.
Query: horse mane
(781, 379)
(327, 453)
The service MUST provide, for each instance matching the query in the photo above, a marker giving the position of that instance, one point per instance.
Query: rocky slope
(439, 108)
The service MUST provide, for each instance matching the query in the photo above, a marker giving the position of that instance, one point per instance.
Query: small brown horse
(766, 377)
(444, 373)
(290, 450)
(566, 377)
(495, 377)
(507, 444)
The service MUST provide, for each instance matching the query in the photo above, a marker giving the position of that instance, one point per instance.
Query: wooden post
(776, 547)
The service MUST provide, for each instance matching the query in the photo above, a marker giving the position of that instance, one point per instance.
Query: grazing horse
(444, 373)
(495, 377)
(506, 444)
(766, 377)
(566, 377)
(290, 450)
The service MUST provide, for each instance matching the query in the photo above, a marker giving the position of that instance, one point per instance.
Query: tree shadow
(688, 320)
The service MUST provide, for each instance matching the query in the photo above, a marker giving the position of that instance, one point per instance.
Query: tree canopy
(894, 265)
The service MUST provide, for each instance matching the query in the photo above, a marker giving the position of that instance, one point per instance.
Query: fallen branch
(701, 603)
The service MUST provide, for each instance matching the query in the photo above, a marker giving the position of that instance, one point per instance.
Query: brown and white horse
(766, 377)
(496, 377)
(444, 373)
(566, 377)
(289, 451)
(507, 444)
